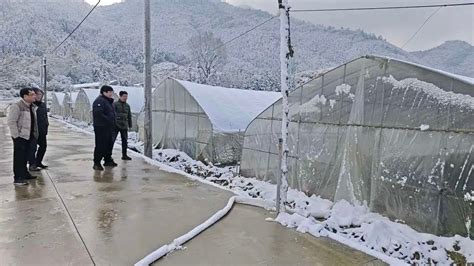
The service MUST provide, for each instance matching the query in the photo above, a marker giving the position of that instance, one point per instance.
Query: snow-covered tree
(209, 55)
(108, 45)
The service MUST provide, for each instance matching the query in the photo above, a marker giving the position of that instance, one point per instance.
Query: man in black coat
(104, 126)
(38, 146)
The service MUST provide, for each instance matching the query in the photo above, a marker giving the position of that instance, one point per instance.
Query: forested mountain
(108, 46)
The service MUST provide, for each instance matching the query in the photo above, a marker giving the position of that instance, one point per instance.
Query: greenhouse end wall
(57, 107)
(82, 108)
(180, 123)
(395, 136)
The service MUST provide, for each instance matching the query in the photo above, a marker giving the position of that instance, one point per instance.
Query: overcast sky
(397, 26)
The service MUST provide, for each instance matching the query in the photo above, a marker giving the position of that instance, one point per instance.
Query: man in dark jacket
(38, 146)
(104, 126)
(123, 121)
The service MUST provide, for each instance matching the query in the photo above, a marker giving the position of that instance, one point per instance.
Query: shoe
(42, 166)
(126, 158)
(20, 183)
(111, 163)
(30, 177)
(34, 168)
(98, 167)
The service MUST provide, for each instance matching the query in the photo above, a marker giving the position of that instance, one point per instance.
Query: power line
(379, 8)
(244, 33)
(426, 20)
(338, 9)
(59, 45)
(231, 40)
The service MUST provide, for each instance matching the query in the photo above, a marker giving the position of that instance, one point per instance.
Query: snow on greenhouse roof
(136, 97)
(230, 110)
(444, 97)
(455, 76)
(86, 85)
(60, 97)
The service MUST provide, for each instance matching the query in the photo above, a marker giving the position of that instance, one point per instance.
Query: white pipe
(162, 251)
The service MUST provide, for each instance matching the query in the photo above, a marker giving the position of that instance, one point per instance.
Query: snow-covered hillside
(454, 56)
(108, 45)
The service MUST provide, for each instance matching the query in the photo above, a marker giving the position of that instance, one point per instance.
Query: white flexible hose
(162, 251)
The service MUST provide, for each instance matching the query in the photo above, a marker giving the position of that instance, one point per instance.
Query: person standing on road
(38, 146)
(23, 127)
(104, 126)
(123, 121)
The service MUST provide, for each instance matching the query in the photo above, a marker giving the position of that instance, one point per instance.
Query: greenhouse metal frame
(394, 135)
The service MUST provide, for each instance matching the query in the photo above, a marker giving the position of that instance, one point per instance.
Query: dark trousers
(42, 144)
(20, 156)
(32, 151)
(124, 137)
(37, 150)
(103, 144)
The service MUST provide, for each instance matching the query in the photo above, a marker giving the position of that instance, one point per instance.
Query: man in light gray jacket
(23, 127)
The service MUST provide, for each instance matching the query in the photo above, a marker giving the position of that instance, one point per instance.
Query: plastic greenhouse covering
(394, 135)
(206, 122)
(57, 107)
(82, 110)
(83, 105)
(68, 103)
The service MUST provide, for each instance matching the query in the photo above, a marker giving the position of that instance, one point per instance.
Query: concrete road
(118, 216)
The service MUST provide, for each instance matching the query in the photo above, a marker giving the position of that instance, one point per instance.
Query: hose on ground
(175, 244)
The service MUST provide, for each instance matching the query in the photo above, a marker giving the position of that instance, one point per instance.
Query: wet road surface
(118, 216)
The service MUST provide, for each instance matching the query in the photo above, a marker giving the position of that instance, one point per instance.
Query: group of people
(109, 119)
(28, 124)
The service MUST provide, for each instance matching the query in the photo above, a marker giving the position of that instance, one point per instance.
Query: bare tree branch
(209, 60)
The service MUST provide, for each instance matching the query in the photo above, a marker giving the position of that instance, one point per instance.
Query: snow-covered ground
(352, 225)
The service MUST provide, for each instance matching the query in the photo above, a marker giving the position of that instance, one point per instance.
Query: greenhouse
(206, 122)
(93, 85)
(68, 103)
(83, 105)
(82, 110)
(394, 135)
(57, 107)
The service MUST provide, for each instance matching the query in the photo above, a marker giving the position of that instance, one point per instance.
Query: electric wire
(78, 25)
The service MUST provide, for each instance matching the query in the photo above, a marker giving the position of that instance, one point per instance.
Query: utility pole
(286, 51)
(43, 81)
(41, 74)
(148, 115)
